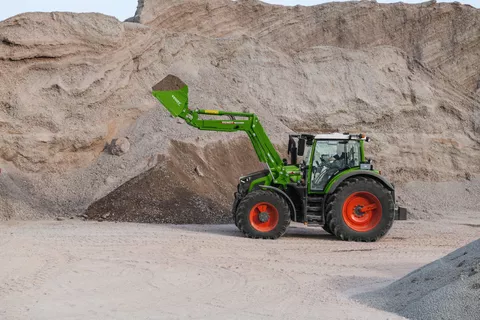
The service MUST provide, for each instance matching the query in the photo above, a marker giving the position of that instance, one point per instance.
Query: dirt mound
(192, 180)
(448, 288)
(70, 83)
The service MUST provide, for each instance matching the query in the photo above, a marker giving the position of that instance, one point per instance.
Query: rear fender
(360, 173)
(332, 186)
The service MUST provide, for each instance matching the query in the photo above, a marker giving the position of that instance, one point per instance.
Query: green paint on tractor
(333, 186)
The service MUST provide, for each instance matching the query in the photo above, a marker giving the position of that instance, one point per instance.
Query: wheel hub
(362, 211)
(263, 216)
(358, 211)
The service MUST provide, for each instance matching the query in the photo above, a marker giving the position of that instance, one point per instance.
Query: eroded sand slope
(69, 83)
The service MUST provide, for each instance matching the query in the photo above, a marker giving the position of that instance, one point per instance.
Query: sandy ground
(89, 270)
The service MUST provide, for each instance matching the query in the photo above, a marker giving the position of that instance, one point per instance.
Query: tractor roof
(337, 136)
(331, 136)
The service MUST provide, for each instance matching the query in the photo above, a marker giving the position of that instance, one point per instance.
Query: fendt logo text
(176, 100)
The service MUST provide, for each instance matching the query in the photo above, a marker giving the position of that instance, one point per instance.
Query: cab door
(331, 157)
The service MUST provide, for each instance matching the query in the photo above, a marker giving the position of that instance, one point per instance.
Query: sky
(123, 9)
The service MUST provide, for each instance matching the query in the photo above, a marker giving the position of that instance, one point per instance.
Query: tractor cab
(326, 155)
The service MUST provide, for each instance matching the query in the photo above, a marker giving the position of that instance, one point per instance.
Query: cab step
(314, 220)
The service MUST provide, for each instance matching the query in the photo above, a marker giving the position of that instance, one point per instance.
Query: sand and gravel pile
(448, 288)
(72, 83)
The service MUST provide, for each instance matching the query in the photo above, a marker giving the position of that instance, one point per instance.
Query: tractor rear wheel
(360, 209)
(263, 214)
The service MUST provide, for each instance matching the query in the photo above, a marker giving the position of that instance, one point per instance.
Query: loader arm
(249, 123)
(173, 94)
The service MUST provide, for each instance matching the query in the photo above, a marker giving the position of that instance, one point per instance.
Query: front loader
(333, 186)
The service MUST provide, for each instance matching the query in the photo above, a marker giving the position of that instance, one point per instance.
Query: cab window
(331, 157)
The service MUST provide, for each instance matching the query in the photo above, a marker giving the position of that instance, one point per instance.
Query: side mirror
(291, 146)
(301, 146)
(292, 150)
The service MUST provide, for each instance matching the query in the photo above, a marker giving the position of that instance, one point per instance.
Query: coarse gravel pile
(448, 288)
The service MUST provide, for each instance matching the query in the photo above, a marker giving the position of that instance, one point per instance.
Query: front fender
(284, 195)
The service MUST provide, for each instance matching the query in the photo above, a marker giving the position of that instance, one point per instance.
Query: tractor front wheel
(326, 227)
(360, 209)
(263, 214)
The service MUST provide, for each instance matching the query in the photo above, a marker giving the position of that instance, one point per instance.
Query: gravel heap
(448, 288)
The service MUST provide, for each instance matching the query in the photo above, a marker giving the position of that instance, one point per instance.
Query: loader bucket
(173, 94)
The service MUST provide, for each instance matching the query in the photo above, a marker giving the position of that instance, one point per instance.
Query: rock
(180, 121)
(106, 215)
(119, 146)
(151, 161)
(60, 218)
(199, 172)
(8, 154)
(468, 176)
(109, 180)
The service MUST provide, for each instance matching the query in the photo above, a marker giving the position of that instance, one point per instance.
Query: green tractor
(332, 185)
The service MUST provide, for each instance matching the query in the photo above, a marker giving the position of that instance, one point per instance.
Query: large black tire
(356, 190)
(234, 211)
(326, 227)
(271, 203)
(235, 220)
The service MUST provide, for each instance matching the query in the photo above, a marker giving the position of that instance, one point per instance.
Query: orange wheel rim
(362, 211)
(264, 217)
